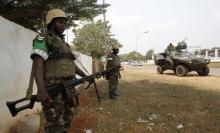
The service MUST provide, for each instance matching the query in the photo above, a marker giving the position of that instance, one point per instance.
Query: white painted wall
(16, 44)
(83, 61)
(15, 68)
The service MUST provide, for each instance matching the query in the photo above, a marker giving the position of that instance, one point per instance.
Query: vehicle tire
(181, 71)
(204, 71)
(160, 70)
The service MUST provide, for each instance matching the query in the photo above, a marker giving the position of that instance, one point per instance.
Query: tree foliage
(30, 13)
(123, 57)
(132, 56)
(90, 39)
(149, 54)
(214, 48)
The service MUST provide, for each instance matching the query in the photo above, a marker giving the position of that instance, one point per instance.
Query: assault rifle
(66, 86)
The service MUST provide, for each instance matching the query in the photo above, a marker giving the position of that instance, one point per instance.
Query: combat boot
(111, 96)
(116, 94)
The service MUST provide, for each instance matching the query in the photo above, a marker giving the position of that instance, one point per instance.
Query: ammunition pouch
(70, 96)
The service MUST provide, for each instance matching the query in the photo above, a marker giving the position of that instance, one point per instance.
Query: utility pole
(106, 43)
(145, 32)
(107, 49)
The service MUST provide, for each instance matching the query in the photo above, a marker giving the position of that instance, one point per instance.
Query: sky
(165, 21)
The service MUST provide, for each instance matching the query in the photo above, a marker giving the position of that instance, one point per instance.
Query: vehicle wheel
(204, 71)
(181, 71)
(160, 70)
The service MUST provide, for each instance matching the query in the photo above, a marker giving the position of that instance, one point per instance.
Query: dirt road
(152, 103)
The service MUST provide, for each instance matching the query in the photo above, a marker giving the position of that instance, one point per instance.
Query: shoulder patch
(109, 58)
(40, 38)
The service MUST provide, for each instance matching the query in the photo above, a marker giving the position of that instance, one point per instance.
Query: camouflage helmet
(115, 46)
(54, 13)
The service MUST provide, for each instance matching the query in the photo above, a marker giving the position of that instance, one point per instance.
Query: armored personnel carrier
(181, 62)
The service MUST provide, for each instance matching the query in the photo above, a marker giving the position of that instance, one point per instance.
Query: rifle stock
(56, 88)
(12, 105)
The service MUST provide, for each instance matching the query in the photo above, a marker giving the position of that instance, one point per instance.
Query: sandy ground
(213, 71)
(151, 103)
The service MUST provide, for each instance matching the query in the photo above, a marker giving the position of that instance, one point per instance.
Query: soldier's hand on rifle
(91, 81)
(42, 96)
(107, 77)
(119, 75)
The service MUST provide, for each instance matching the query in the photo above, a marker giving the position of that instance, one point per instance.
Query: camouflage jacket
(57, 56)
(112, 61)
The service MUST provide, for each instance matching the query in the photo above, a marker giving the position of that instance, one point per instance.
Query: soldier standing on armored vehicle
(112, 61)
(168, 50)
(54, 62)
(183, 61)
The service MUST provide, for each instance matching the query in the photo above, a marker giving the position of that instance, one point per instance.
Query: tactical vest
(114, 62)
(60, 63)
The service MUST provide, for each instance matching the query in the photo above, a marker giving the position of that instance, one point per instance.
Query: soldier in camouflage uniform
(54, 62)
(168, 50)
(112, 61)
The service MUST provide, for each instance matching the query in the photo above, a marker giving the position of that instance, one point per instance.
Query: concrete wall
(83, 61)
(15, 68)
(214, 59)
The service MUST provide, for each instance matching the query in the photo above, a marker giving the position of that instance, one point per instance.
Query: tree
(149, 54)
(124, 57)
(90, 39)
(135, 56)
(214, 48)
(30, 13)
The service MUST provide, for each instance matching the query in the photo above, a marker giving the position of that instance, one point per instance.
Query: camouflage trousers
(113, 83)
(58, 115)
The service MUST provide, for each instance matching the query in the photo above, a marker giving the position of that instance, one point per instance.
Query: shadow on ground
(162, 107)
